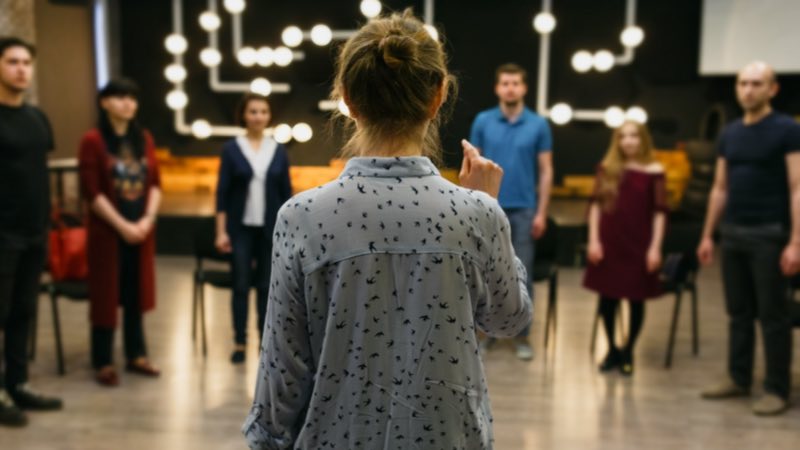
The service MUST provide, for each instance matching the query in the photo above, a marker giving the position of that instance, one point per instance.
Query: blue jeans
(524, 244)
(250, 267)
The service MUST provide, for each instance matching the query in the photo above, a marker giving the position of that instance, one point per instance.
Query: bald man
(756, 194)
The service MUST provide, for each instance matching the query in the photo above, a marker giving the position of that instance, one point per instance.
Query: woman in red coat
(120, 182)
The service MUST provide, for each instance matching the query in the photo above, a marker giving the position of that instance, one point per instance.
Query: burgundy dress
(625, 233)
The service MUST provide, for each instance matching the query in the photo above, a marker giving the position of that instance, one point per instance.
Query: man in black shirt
(757, 194)
(25, 139)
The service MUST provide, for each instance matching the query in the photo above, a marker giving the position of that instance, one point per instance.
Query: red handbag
(67, 258)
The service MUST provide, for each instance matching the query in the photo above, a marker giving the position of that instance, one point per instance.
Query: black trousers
(133, 330)
(20, 270)
(755, 289)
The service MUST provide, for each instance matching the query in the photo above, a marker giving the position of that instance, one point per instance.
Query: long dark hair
(120, 87)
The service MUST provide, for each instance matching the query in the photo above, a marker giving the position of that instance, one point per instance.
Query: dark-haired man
(519, 140)
(25, 139)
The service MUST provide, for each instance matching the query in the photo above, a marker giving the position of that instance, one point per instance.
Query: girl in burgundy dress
(627, 217)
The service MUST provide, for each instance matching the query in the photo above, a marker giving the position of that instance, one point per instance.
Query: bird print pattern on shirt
(380, 280)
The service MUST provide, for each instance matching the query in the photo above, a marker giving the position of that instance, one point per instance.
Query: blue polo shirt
(516, 148)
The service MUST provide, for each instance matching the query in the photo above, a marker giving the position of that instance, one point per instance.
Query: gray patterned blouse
(380, 280)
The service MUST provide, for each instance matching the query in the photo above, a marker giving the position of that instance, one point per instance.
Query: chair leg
(203, 318)
(673, 327)
(33, 332)
(552, 311)
(595, 324)
(194, 310)
(57, 332)
(695, 322)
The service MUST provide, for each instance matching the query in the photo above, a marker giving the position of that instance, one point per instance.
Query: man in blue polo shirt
(756, 193)
(519, 140)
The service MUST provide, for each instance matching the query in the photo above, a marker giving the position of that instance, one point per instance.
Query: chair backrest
(204, 241)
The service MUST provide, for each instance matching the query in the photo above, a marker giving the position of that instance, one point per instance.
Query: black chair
(545, 268)
(73, 290)
(679, 275)
(205, 250)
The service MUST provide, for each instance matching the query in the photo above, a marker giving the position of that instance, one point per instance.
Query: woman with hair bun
(381, 278)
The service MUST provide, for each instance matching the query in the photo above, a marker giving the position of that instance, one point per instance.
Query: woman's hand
(595, 252)
(131, 233)
(653, 260)
(478, 172)
(223, 243)
(145, 225)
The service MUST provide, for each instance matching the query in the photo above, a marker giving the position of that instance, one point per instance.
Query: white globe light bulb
(561, 113)
(343, 108)
(321, 35)
(175, 73)
(265, 57)
(292, 36)
(210, 57)
(632, 36)
(371, 8)
(432, 31)
(282, 133)
(302, 132)
(209, 21)
(544, 23)
(234, 6)
(603, 61)
(201, 129)
(247, 56)
(636, 114)
(582, 61)
(614, 116)
(177, 100)
(261, 86)
(176, 44)
(283, 56)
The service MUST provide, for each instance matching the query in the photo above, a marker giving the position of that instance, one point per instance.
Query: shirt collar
(406, 166)
(522, 116)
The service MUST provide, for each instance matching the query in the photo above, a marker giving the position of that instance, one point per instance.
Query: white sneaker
(524, 350)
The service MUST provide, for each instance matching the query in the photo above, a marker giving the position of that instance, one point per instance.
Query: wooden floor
(558, 401)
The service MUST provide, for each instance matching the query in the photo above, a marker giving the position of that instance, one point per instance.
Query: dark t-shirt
(25, 140)
(758, 191)
(130, 177)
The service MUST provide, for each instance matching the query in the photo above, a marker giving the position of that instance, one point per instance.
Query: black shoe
(237, 357)
(25, 398)
(10, 414)
(611, 361)
(626, 364)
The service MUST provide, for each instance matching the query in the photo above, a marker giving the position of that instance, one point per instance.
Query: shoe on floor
(143, 367)
(10, 414)
(523, 350)
(626, 363)
(770, 405)
(611, 361)
(724, 389)
(25, 398)
(107, 376)
(237, 357)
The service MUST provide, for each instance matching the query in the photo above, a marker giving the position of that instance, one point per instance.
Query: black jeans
(755, 288)
(250, 264)
(20, 270)
(133, 330)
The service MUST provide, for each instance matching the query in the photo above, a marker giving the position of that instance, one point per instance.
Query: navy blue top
(515, 147)
(758, 190)
(235, 173)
